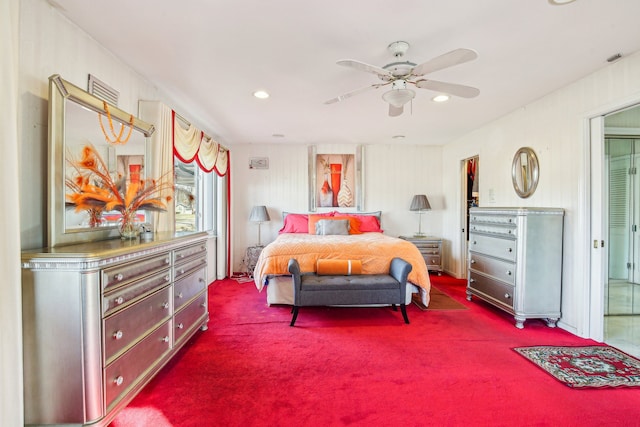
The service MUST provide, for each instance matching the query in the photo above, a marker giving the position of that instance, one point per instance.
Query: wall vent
(103, 91)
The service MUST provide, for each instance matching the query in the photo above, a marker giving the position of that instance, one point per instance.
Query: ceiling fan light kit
(401, 73)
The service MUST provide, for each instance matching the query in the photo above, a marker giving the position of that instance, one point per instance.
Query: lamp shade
(259, 214)
(420, 203)
(398, 97)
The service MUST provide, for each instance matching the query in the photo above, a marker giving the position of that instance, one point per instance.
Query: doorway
(470, 169)
(622, 217)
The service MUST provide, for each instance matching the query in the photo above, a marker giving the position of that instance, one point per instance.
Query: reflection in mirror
(524, 172)
(78, 119)
(186, 202)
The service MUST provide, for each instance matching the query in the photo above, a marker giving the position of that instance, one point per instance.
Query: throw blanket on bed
(374, 250)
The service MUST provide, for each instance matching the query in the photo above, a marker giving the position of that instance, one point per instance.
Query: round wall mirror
(525, 172)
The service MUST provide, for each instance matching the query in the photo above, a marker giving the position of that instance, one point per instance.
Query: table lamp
(420, 204)
(259, 214)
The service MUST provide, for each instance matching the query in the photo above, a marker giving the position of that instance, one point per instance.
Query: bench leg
(403, 308)
(393, 306)
(294, 310)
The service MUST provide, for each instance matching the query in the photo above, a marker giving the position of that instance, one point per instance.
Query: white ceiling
(211, 55)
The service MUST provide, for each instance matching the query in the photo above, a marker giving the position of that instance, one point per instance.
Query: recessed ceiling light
(440, 98)
(398, 137)
(278, 135)
(560, 2)
(261, 94)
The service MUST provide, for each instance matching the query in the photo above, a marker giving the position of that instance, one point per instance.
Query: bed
(372, 249)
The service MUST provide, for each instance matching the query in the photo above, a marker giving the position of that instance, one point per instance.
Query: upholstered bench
(311, 289)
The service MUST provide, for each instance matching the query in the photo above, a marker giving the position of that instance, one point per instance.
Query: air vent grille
(103, 91)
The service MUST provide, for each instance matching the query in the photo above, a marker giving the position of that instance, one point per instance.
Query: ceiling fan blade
(455, 57)
(449, 88)
(395, 111)
(361, 66)
(353, 93)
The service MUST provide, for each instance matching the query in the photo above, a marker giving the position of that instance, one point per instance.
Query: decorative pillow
(326, 227)
(294, 223)
(354, 223)
(342, 267)
(313, 218)
(369, 223)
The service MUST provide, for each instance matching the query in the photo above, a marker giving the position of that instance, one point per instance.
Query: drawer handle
(119, 300)
(119, 380)
(165, 339)
(509, 273)
(165, 305)
(473, 261)
(118, 277)
(472, 280)
(167, 278)
(181, 255)
(475, 243)
(507, 296)
(118, 335)
(179, 295)
(182, 271)
(509, 250)
(167, 260)
(203, 305)
(201, 280)
(180, 326)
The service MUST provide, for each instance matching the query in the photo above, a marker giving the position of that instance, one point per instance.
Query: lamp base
(420, 235)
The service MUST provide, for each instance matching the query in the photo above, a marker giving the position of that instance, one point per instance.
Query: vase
(326, 194)
(345, 196)
(129, 226)
(336, 177)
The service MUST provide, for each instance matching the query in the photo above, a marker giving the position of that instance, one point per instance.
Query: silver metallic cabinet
(100, 319)
(515, 261)
(431, 250)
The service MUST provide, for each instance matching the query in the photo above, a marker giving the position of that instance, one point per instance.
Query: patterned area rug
(593, 366)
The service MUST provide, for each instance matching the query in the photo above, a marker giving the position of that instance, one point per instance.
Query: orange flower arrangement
(93, 189)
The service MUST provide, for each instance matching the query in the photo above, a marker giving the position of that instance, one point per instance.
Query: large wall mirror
(525, 172)
(78, 119)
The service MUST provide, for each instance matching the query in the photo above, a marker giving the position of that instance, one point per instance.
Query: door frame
(595, 218)
(464, 211)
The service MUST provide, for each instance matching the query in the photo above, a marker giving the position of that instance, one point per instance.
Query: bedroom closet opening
(471, 198)
(622, 289)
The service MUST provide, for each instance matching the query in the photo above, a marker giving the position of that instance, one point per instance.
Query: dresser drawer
(501, 270)
(188, 287)
(432, 260)
(493, 219)
(124, 273)
(127, 370)
(491, 289)
(125, 327)
(180, 255)
(192, 315)
(500, 230)
(188, 267)
(493, 246)
(125, 296)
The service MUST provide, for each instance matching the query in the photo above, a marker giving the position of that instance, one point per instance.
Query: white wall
(393, 174)
(555, 126)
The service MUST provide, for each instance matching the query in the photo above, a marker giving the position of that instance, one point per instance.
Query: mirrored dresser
(515, 261)
(101, 318)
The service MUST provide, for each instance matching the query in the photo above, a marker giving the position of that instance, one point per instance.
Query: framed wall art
(336, 179)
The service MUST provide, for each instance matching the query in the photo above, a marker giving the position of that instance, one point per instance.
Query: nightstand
(431, 249)
(251, 258)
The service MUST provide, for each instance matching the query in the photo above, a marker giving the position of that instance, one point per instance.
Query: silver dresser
(515, 261)
(100, 320)
(431, 250)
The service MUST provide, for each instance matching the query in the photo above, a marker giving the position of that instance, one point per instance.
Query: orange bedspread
(375, 250)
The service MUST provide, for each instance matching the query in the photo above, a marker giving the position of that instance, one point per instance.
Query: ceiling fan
(400, 74)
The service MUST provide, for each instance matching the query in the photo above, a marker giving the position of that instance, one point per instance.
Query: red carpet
(365, 367)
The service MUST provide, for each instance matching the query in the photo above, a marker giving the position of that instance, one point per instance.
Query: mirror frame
(61, 92)
(525, 185)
